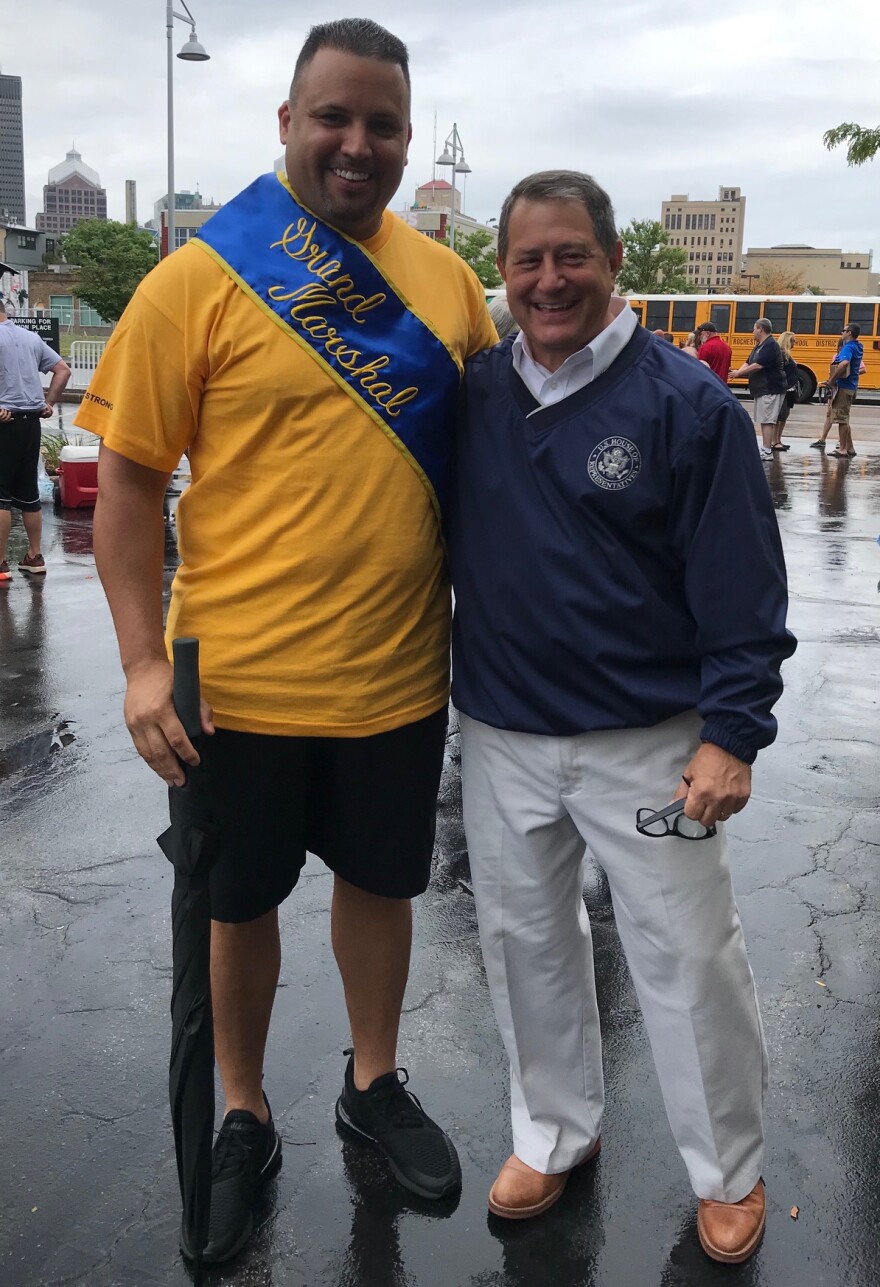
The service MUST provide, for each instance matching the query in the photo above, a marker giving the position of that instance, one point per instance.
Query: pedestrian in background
(502, 318)
(766, 382)
(690, 346)
(789, 366)
(841, 386)
(23, 358)
(714, 351)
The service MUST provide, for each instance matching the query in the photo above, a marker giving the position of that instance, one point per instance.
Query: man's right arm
(129, 548)
(57, 385)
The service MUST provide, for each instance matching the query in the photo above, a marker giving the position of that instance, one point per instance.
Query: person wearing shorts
(842, 386)
(23, 357)
(312, 572)
(766, 375)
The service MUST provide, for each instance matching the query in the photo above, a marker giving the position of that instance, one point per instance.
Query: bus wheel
(806, 385)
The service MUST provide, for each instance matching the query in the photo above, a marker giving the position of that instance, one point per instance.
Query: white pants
(530, 805)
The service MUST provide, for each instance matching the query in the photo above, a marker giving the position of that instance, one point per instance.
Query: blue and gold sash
(328, 294)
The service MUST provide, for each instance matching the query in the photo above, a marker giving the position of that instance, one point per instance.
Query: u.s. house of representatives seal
(614, 464)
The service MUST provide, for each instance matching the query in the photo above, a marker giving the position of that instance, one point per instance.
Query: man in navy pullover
(619, 630)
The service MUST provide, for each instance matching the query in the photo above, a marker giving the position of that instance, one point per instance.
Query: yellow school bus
(816, 321)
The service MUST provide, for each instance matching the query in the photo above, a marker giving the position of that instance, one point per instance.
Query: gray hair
(765, 326)
(562, 185)
(359, 36)
(502, 318)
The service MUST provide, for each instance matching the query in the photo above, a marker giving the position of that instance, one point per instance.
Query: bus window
(803, 319)
(746, 316)
(657, 318)
(830, 318)
(684, 316)
(776, 313)
(638, 309)
(863, 316)
(719, 316)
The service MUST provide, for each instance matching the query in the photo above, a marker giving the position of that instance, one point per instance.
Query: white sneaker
(766, 453)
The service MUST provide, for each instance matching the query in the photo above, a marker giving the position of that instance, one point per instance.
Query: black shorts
(19, 461)
(365, 805)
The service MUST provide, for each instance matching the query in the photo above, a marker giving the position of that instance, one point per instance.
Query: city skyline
(676, 101)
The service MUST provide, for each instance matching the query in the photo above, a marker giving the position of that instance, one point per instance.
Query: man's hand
(4, 415)
(152, 721)
(46, 413)
(714, 785)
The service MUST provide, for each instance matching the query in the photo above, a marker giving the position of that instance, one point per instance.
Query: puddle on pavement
(35, 748)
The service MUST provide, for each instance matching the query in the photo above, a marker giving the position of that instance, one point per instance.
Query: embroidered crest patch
(614, 464)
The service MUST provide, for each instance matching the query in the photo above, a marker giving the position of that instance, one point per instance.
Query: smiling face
(559, 280)
(345, 135)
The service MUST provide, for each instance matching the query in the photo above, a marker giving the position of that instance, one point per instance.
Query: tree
(863, 143)
(774, 279)
(650, 265)
(113, 258)
(478, 249)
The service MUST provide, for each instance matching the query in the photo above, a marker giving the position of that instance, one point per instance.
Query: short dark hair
(359, 36)
(855, 330)
(708, 326)
(562, 185)
(764, 325)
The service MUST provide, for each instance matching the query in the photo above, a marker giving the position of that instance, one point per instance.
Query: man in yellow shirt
(306, 353)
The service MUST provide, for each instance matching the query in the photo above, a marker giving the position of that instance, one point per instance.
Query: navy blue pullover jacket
(615, 558)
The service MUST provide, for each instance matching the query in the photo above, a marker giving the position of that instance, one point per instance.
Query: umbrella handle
(187, 693)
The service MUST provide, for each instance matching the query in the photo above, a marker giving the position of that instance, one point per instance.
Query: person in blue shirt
(618, 635)
(24, 357)
(842, 385)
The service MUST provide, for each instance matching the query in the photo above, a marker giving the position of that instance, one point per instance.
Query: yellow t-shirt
(311, 569)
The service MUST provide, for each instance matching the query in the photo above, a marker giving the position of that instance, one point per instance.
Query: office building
(711, 232)
(12, 204)
(72, 193)
(829, 270)
(131, 203)
(191, 212)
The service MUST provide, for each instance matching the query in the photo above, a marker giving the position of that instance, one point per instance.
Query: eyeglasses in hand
(671, 821)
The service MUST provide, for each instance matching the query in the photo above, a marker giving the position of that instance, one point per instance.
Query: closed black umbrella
(190, 845)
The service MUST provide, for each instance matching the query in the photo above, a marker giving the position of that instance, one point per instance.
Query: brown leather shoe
(730, 1231)
(520, 1192)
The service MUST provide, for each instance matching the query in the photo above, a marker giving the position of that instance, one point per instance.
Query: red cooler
(78, 476)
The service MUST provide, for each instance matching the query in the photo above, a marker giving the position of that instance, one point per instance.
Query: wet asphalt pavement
(88, 1191)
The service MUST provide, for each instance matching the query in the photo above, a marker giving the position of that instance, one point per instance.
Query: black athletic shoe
(421, 1156)
(246, 1155)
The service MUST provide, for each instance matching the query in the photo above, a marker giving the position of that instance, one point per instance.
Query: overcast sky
(650, 96)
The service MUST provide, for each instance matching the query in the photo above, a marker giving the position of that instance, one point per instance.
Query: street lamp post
(192, 52)
(459, 166)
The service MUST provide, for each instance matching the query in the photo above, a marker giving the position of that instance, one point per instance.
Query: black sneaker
(246, 1156)
(420, 1154)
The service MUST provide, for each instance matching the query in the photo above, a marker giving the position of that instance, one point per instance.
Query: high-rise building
(711, 232)
(131, 201)
(11, 151)
(72, 193)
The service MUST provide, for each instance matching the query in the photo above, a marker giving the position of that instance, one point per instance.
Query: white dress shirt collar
(581, 368)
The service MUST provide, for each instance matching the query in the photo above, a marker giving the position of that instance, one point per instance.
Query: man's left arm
(726, 534)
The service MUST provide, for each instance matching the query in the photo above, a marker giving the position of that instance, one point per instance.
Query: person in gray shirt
(23, 356)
